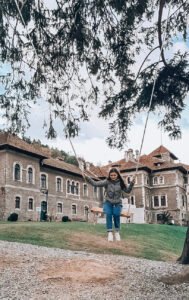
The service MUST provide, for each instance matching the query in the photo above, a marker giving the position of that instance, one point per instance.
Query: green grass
(155, 242)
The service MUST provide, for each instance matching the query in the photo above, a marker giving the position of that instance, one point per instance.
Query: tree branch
(161, 6)
(144, 62)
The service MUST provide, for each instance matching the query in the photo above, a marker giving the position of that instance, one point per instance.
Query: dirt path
(32, 272)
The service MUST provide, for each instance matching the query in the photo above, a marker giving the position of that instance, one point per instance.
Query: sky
(91, 142)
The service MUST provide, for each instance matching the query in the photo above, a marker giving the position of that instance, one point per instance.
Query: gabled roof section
(14, 142)
(161, 150)
(61, 165)
(153, 162)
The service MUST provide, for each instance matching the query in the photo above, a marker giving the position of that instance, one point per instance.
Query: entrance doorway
(43, 216)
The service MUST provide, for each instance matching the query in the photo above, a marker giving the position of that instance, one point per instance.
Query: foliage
(166, 217)
(13, 217)
(83, 52)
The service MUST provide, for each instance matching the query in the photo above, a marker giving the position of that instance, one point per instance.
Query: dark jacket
(113, 190)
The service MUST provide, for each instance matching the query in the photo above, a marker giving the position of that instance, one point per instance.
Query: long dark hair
(114, 170)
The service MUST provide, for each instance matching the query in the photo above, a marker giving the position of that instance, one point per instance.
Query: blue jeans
(112, 211)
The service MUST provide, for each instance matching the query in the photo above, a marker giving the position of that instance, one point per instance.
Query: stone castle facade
(33, 184)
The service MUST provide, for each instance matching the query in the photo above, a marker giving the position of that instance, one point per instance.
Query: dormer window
(161, 180)
(155, 180)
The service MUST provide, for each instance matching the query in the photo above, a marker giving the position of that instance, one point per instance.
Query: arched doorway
(43, 216)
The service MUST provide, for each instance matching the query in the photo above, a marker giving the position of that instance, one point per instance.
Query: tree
(81, 52)
(184, 258)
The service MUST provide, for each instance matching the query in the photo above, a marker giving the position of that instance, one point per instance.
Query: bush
(65, 219)
(13, 217)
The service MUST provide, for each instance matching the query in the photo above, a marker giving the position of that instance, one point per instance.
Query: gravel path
(32, 272)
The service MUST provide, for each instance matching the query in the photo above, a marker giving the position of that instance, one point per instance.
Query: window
(156, 201)
(183, 200)
(30, 175)
(43, 181)
(161, 180)
(17, 172)
(155, 180)
(30, 204)
(77, 188)
(68, 187)
(163, 200)
(128, 179)
(74, 209)
(85, 190)
(58, 184)
(17, 203)
(95, 191)
(73, 187)
(146, 180)
(59, 208)
(160, 201)
(158, 180)
(132, 200)
(86, 210)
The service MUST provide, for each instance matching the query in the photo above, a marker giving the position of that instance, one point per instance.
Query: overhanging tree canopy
(80, 52)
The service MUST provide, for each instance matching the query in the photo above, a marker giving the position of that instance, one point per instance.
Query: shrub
(13, 217)
(65, 219)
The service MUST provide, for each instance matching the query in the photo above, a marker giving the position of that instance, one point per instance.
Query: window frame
(57, 207)
(17, 208)
(14, 171)
(30, 198)
(46, 186)
(159, 198)
(33, 175)
(61, 184)
(87, 190)
(75, 205)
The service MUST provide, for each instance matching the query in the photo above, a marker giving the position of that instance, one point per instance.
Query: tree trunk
(184, 258)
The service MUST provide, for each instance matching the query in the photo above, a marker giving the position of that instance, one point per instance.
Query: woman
(114, 186)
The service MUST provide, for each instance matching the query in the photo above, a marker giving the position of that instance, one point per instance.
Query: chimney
(130, 154)
(87, 166)
(136, 154)
(109, 162)
(126, 156)
(81, 165)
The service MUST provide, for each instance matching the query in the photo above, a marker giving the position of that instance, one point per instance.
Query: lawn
(151, 241)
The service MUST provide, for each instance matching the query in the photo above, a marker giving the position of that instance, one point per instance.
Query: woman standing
(114, 186)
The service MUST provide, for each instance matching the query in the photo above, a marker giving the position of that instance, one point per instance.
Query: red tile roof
(161, 150)
(14, 141)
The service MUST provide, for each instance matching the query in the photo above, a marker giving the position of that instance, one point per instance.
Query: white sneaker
(117, 236)
(110, 236)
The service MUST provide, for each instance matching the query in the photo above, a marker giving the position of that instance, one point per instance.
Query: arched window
(155, 180)
(161, 180)
(17, 172)
(43, 181)
(73, 187)
(86, 210)
(30, 204)
(58, 184)
(74, 209)
(59, 207)
(68, 187)
(85, 190)
(17, 202)
(30, 175)
(77, 188)
(95, 191)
